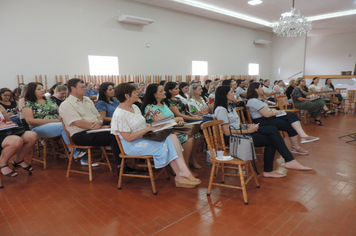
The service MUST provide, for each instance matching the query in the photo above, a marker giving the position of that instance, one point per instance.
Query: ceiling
(270, 11)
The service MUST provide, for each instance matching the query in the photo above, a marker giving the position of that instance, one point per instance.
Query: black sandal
(28, 168)
(9, 174)
(318, 122)
(329, 112)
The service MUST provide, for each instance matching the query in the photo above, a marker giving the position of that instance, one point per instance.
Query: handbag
(158, 136)
(242, 147)
(188, 129)
(13, 131)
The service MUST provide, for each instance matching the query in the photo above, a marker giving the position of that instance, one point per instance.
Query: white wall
(330, 54)
(287, 57)
(55, 37)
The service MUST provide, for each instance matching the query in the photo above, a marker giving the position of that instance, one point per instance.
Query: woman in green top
(154, 109)
(42, 115)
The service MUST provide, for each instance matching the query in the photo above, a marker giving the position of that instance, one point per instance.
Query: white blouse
(183, 99)
(125, 121)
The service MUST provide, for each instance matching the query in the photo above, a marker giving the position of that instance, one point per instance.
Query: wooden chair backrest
(341, 90)
(67, 133)
(214, 136)
(240, 112)
(119, 143)
(249, 115)
(282, 102)
(351, 95)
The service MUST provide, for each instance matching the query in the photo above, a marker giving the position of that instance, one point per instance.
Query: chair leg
(1, 183)
(106, 157)
(121, 172)
(53, 148)
(243, 185)
(211, 179)
(166, 173)
(70, 163)
(44, 154)
(254, 175)
(65, 147)
(222, 173)
(89, 165)
(149, 165)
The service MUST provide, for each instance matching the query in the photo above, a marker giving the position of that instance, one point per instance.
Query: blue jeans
(52, 130)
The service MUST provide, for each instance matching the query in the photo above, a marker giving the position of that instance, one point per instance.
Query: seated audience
(264, 136)
(42, 115)
(90, 92)
(16, 95)
(59, 94)
(183, 92)
(142, 89)
(330, 87)
(10, 106)
(20, 107)
(289, 90)
(196, 103)
(212, 90)
(264, 116)
(314, 87)
(80, 115)
(268, 91)
(96, 88)
(206, 88)
(11, 145)
(314, 106)
(241, 88)
(107, 103)
(21, 86)
(139, 100)
(129, 124)
(155, 109)
(278, 88)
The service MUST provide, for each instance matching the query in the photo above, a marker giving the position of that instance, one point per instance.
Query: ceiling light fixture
(224, 12)
(254, 2)
(292, 24)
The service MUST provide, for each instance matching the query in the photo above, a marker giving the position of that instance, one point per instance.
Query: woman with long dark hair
(330, 87)
(264, 136)
(183, 92)
(107, 103)
(154, 109)
(129, 124)
(42, 115)
(290, 122)
(180, 110)
(303, 101)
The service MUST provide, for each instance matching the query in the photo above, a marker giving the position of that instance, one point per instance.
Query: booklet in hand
(161, 122)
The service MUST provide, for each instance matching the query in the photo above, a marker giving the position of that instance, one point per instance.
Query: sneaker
(309, 139)
(79, 155)
(127, 170)
(300, 151)
(85, 163)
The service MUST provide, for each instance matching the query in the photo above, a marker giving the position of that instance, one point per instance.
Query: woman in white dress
(129, 124)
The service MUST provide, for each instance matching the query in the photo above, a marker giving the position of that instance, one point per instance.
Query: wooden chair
(148, 165)
(45, 142)
(249, 120)
(351, 96)
(302, 113)
(213, 136)
(89, 148)
(283, 104)
(336, 103)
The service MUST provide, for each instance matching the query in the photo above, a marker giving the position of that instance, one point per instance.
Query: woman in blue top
(153, 108)
(107, 103)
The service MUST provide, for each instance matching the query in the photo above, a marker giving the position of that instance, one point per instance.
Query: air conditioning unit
(261, 41)
(134, 20)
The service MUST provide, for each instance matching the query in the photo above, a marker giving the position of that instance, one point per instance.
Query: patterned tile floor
(318, 202)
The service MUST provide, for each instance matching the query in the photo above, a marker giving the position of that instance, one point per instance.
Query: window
(103, 65)
(253, 69)
(199, 68)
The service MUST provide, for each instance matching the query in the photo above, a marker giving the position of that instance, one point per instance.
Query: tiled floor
(319, 202)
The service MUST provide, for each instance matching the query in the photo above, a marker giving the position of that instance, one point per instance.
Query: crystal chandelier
(292, 24)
